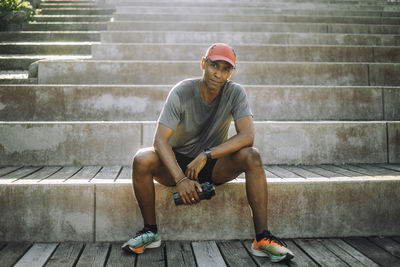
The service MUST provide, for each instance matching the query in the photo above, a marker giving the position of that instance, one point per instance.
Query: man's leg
(146, 165)
(246, 160)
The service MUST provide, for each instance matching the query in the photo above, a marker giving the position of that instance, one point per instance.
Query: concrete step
(22, 62)
(258, 18)
(67, 1)
(14, 77)
(212, 26)
(144, 103)
(71, 18)
(96, 143)
(258, 11)
(82, 203)
(250, 6)
(50, 36)
(313, 53)
(65, 26)
(68, 5)
(47, 48)
(170, 72)
(238, 38)
(77, 11)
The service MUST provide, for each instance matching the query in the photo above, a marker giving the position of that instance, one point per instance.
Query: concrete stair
(50, 38)
(322, 80)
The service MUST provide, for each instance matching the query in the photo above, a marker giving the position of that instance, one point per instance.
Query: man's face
(215, 73)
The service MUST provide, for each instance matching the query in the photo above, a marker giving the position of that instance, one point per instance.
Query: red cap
(223, 52)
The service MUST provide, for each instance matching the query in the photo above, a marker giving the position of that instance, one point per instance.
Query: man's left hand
(194, 167)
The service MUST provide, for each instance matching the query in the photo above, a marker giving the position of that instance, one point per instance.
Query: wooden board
(374, 252)
(7, 170)
(94, 255)
(108, 173)
(354, 253)
(319, 253)
(342, 171)
(235, 254)
(61, 175)
(341, 253)
(39, 175)
(302, 172)
(37, 255)
(152, 257)
(20, 173)
(125, 174)
(285, 174)
(12, 252)
(118, 257)
(300, 258)
(207, 254)
(321, 171)
(387, 244)
(179, 254)
(66, 254)
(85, 174)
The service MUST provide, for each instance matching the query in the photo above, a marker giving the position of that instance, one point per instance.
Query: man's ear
(203, 62)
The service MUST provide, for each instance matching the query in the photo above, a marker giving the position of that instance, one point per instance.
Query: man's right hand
(187, 191)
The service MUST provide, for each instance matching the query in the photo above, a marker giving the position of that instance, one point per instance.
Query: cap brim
(216, 58)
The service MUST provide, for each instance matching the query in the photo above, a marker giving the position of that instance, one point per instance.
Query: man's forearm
(167, 156)
(233, 144)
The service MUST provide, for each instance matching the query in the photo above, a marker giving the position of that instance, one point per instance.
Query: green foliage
(15, 11)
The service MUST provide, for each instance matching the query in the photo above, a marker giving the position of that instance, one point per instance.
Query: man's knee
(251, 157)
(143, 161)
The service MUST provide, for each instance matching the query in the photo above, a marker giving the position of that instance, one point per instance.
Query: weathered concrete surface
(322, 142)
(329, 208)
(394, 142)
(255, 18)
(333, 209)
(81, 102)
(97, 143)
(392, 106)
(384, 74)
(291, 53)
(237, 38)
(119, 222)
(367, 11)
(34, 212)
(68, 143)
(171, 72)
(130, 102)
(253, 27)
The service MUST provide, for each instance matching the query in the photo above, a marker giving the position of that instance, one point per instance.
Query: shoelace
(273, 238)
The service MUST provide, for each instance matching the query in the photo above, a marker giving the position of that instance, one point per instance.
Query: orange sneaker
(143, 239)
(271, 247)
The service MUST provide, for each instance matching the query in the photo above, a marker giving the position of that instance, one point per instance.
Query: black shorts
(204, 175)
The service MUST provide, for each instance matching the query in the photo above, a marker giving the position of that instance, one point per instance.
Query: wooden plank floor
(358, 251)
(117, 174)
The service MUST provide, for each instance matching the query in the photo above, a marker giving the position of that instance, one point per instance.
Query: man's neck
(207, 94)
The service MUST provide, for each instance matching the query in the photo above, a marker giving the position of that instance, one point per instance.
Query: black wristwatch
(208, 153)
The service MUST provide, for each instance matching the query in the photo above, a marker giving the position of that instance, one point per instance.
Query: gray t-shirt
(197, 124)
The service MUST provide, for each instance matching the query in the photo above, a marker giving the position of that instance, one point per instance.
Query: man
(191, 147)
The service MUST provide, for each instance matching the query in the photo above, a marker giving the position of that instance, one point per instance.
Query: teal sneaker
(271, 247)
(143, 239)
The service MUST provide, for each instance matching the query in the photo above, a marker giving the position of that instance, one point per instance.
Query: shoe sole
(155, 244)
(273, 258)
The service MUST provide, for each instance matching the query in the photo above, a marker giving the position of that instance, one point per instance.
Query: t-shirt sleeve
(171, 113)
(240, 105)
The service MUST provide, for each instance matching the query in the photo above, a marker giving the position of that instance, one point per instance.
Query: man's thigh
(229, 167)
(158, 170)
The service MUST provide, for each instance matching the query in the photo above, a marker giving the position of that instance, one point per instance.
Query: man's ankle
(151, 227)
